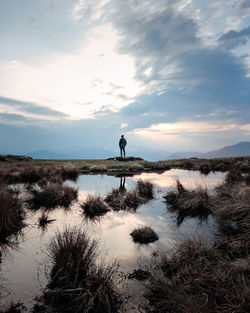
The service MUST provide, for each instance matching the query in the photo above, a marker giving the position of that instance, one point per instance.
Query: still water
(25, 267)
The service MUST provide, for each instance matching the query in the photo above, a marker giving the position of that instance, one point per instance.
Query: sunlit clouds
(93, 78)
(168, 74)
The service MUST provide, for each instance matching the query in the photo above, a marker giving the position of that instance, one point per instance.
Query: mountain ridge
(236, 150)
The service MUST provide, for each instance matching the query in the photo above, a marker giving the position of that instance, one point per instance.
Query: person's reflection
(122, 187)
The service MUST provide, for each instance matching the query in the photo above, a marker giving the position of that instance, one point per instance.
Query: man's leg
(124, 152)
(121, 151)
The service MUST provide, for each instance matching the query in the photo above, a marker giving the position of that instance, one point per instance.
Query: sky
(171, 75)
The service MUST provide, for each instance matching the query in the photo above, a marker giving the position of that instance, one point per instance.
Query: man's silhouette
(122, 144)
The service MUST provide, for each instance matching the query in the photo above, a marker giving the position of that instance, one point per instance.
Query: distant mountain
(239, 149)
(46, 154)
(184, 155)
(93, 153)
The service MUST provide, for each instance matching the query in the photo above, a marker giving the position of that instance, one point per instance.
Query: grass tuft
(144, 235)
(77, 284)
(115, 199)
(145, 189)
(94, 206)
(51, 196)
(11, 213)
(198, 278)
(185, 203)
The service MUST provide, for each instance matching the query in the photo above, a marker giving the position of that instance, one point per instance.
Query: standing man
(122, 144)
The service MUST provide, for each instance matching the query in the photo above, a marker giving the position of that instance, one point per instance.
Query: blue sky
(171, 75)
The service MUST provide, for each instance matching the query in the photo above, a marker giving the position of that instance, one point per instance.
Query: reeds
(77, 284)
(30, 174)
(14, 308)
(11, 213)
(115, 199)
(145, 189)
(120, 199)
(144, 235)
(52, 195)
(94, 207)
(44, 220)
(185, 203)
(198, 278)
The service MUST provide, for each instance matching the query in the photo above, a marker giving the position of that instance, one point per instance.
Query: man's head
(122, 136)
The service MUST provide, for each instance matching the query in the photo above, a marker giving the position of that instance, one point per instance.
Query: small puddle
(25, 267)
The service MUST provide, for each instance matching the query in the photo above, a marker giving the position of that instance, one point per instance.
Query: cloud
(29, 109)
(188, 127)
(232, 39)
(124, 125)
(62, 81)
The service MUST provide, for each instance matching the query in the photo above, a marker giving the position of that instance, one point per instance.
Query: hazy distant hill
(46, 154)
(184, 155)
(239, 149)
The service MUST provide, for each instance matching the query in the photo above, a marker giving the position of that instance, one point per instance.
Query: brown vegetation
(115, 199)
(145, 189)
(77, 284)
(188, 203)
(144, 235)
(198, 278)
(51, 196)
(94, 207)
(14, 308)
(11, 213)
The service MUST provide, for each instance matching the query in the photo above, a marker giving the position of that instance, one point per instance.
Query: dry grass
(93, 207)
(186, 204)
(14, 308)
(44, 220)
(11, 213)
(208, 279)
(133, 200)
(205, 168)
(77, 284)
(144, 235)
(145, 189)
(51, 196)
(198, 278)
(30, 174)
(115, 199)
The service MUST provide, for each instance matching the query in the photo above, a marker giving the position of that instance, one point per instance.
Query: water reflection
(122, 187)
(26, 269)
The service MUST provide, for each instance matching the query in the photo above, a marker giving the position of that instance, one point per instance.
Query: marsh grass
(44, 220)
(77, 283)
(204, 168)
(11, 213)
(94, 206)
(14, 308)
(144, 235)
(198, 278)
(188, 203)
(133, 200)
(145, 189)
(115, 199)
(52, 195)
(30, 174)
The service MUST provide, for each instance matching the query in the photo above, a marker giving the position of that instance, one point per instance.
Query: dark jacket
(122, 142)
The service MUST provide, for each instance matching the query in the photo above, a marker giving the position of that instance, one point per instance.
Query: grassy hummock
(52, 195)
(94, 206)
(185, 203)
(144, 235)
(145, 189)
(11, 213)
(77, 283)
